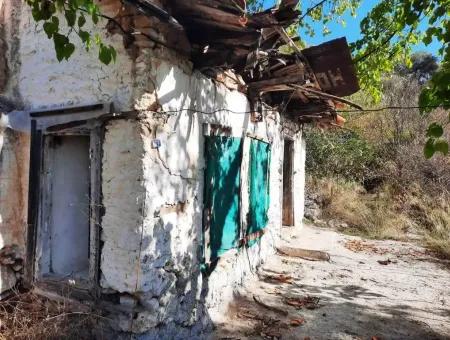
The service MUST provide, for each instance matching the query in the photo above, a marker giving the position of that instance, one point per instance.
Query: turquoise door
(259, 187)
(221, 218)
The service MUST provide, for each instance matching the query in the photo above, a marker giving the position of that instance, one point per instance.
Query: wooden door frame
(288, 220)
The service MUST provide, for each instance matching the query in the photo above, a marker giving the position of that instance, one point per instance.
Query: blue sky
(351, 31)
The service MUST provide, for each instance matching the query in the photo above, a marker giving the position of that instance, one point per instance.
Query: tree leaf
(85, 38)
(429, 150)
(104, 54)
(95, 18)
(37, 15)
(71, 17)
(113, 53)
(81, 21)
(50, 28)
(441, 145)
(68, 50)
(60, 42)
(55, 21)
(435, 130)
(48, 8)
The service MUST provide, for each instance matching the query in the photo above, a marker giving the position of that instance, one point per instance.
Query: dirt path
(358, 298)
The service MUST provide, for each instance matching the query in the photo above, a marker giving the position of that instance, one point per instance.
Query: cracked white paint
(160, 193)
(80, 80)
(13, 197)
(153, 198)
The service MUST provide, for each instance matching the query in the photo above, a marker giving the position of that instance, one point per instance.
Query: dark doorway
(288, 165)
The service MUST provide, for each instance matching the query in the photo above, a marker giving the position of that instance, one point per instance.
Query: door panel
(288, 164)
(222, 195)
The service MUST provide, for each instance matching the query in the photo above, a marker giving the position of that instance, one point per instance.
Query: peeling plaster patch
(13, 205)
(13, 187)
(123, 199)
(7, 279)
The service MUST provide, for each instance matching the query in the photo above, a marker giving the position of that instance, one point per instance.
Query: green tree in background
(388, 33)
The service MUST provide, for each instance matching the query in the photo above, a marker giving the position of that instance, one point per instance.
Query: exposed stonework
(14, 153)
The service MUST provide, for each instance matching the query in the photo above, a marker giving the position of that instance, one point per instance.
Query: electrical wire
(396, 108)
(223, 110)
(210, 112)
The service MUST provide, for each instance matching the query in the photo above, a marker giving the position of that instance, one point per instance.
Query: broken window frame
(72, 121)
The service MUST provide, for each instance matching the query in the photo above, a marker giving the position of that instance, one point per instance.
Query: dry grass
(438, 238)
(371, 215)
(29, 316)
(386, 214)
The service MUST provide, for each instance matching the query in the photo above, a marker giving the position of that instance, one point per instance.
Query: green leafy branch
(76, 13)
(388, 33)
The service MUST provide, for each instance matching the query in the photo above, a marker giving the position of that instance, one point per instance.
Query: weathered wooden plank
(288, 79)
(33, 201)
(288, 167)
(248, 39)
(301, 96)
(297, 69)
(326, 95)
(96, 209)
(288, 3)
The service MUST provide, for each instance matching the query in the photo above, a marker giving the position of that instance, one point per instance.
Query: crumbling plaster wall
(82, 80)
(14, 153)
(32, 79)
(152, 197)
(13, 205)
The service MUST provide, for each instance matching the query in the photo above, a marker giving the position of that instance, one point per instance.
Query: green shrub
(339, 153)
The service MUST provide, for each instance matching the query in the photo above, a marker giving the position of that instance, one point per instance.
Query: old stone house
(150, 188)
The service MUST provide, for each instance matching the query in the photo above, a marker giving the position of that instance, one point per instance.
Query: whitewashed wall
(153, 198)
(166, 185)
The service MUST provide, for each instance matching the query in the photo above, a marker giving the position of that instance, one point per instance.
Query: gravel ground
(352, 296)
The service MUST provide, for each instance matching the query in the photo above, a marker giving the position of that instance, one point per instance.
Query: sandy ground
(352, 296)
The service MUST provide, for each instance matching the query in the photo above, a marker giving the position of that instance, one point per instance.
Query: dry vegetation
(29, 316)
(386, 214)
(375, 177)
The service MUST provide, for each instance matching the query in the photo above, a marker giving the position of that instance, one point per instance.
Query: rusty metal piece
(333, 66)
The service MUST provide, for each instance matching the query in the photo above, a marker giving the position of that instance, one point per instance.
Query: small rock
(312, 212)
(17, 267)
(144, 321)
(150, 304)
(128, 301)
(7, 261)
(335, 224)
(8, 279)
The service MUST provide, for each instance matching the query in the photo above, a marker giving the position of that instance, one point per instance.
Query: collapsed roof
(304, 85)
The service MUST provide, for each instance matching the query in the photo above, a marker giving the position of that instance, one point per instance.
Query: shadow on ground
(337, 316)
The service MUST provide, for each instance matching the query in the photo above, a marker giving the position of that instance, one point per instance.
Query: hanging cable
(396, 108)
